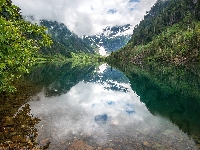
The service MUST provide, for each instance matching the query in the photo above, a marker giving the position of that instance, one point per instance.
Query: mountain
(163, 14)
(64, 40)
(111, 38)
(169, 32)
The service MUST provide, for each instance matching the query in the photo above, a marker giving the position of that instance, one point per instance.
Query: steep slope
(169, 32)
(162, 15)
(64, 40)
(111, 38)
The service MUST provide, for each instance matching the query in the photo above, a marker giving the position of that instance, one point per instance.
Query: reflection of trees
(17, 128)
(169, 91)
(19, 131)
(58, 80)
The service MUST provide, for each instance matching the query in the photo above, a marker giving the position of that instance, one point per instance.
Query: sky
(87, 17)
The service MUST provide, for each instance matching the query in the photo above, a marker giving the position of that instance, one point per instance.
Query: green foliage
(164, 14)
(20, 41)
(177, 45)
(64, 41)
(175, 39)
(82, 59)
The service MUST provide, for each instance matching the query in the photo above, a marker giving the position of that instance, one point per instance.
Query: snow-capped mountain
(65, 41)
(116, 30)
(111, 39)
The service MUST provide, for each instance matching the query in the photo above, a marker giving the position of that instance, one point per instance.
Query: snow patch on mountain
(111, 39)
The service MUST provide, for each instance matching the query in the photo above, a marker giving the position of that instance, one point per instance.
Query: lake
(99, 107)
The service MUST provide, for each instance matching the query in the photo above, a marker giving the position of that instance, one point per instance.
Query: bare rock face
(80, 145)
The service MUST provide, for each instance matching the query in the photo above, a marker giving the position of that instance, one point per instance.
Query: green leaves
(2, 65)
(20, 41)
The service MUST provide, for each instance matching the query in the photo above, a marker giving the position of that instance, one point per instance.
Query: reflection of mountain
(171, 92)
(58, 80)
(111, 78)
(111, 39)
(91, 113)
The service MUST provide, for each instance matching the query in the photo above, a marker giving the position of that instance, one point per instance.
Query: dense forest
(169, 32)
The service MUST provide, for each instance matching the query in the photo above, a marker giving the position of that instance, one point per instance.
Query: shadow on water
(17, 127)
(170, 91)
(18, 131)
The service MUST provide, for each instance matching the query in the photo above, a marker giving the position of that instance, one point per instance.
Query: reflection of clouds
(115, 86)
(89, 109)
(84, 110)
(100, 109)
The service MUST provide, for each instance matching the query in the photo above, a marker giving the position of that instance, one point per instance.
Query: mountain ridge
(110, 39)
(168, 33)
(64, 37)
(65, 41)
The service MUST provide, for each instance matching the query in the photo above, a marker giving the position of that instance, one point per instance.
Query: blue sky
(87, 17)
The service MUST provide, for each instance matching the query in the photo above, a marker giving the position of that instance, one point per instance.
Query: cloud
(87, 17)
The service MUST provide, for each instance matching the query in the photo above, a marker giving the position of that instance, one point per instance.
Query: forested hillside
(163, 14)
(170, 32)
(64, 41)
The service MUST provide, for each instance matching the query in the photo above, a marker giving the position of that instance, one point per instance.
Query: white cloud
(87, 17)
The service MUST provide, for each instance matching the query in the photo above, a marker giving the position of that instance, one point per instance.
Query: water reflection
(19, 131)
(17, 126)
(102, 110)
(171, 92)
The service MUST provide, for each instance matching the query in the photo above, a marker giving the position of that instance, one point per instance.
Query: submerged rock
(80, 145)
(101, 118)
(111, 103)
(130, 111)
